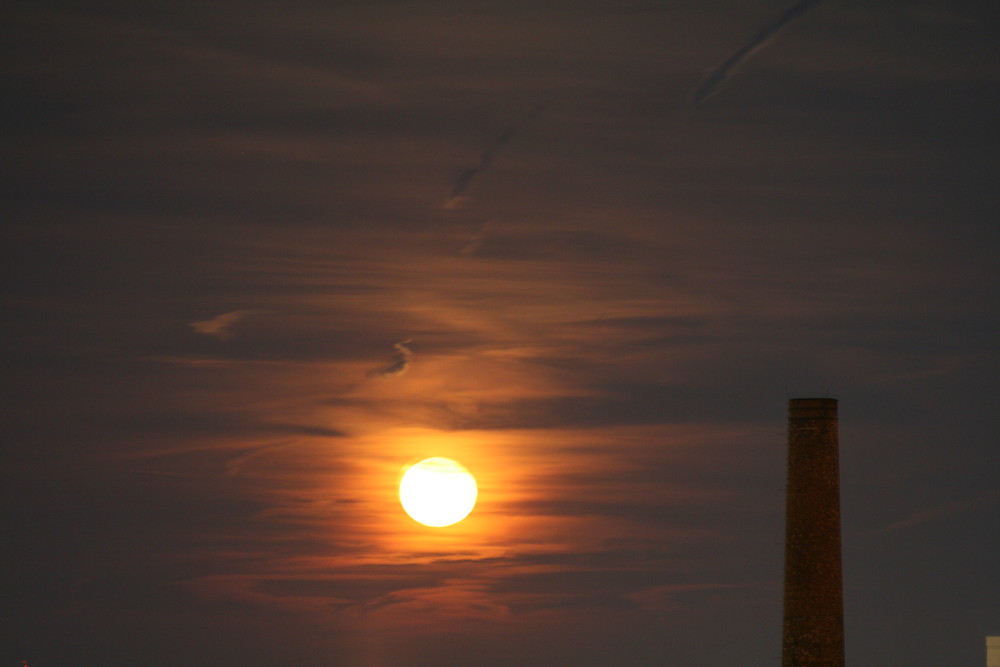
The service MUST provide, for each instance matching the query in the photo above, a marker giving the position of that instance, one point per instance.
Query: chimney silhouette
(813, 632)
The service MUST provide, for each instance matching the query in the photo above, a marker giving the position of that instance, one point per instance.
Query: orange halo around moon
(437, 492)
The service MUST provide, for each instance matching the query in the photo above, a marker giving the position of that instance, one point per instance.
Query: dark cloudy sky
(258, 256)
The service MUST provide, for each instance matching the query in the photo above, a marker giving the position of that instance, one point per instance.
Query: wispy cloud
(944, 511)
(678, 596)
(220, 326)
(400, 362)
(464, 180)
(456, 196)
(717, 77)
(473, 246)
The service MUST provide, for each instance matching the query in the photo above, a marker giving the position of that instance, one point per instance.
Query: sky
(258, 257)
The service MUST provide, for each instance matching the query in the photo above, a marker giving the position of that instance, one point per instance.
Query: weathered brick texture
(813, 605)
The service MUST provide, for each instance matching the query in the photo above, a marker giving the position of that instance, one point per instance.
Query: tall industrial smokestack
(814, 602)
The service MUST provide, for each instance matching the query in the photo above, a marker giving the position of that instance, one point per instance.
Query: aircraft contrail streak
(465, 179)
(713, 81)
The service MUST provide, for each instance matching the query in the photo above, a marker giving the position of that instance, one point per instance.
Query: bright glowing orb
(437, 492)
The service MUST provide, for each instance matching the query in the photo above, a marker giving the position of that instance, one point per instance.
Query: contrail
(713, 81)
(465, 179)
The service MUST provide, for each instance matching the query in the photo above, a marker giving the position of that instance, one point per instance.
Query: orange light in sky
(437, 492)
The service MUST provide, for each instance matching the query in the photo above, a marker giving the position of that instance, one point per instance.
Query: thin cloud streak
(464, 180)
(456, 196)
(400, 363)
(221, 326)
(714, 81)
(476, 243)
(945, 511)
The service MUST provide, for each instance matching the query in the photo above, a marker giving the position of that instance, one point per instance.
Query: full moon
(437, 492)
